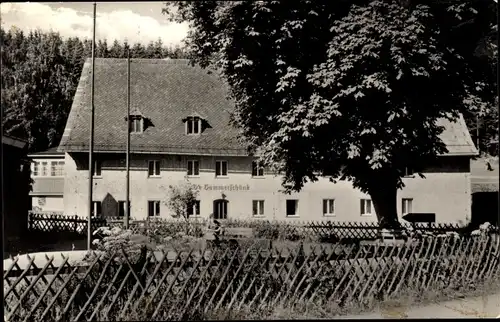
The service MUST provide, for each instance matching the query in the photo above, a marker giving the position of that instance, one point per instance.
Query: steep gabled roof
(166, 92)
(457, 138)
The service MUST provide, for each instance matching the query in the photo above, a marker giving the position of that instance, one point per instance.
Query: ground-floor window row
(220, 208)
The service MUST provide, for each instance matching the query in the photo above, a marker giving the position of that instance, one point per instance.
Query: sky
(132, 21)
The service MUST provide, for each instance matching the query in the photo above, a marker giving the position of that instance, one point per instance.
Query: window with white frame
(366, 207)
(257, 169)
(193, 209)
(153, 208)
(36, 169)
(48, 168)
(292, 207)
(57, 168)
(258, 207)
(44, 169)
(136, 124)
(97, 168)
(193, 168)
(96, 208)
(154, 168)
(193, 125)
(406, 206)
(328, 207)
(221, 168)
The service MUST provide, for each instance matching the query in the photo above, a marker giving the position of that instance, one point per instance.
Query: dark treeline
(40, 74)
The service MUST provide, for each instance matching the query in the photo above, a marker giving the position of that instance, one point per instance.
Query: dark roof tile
(165, 91)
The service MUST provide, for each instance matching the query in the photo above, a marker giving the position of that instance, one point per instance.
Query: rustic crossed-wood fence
(314, 231)
(54, 222)
(195, 284)
(322, 231)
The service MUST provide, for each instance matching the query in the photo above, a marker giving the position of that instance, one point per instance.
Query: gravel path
(487, 306)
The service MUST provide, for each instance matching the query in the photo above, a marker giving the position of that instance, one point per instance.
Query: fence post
(76, 223)
(30, 221)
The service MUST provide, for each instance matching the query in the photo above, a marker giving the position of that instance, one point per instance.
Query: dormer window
(193, 125)
(136, 124)
(257, 169)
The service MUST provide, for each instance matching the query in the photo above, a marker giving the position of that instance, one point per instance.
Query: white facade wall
(47, 203)
(445, 192)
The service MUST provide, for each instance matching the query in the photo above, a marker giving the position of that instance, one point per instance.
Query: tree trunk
(384, 198)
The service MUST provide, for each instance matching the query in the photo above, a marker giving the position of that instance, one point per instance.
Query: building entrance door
(220, 209)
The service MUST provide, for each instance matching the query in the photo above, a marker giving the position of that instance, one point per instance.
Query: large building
(180, 131)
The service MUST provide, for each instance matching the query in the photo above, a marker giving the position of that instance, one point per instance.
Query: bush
(117, 241)
(161, 228)
(328, 238)
(267, 230)
(180, 198)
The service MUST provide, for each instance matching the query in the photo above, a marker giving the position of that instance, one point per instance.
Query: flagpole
(477, 133)
(127, 154)
(91, 140)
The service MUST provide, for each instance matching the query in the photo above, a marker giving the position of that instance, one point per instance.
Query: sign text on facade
(226, 187)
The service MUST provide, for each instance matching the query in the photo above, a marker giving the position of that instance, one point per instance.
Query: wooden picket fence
(312, 231)
(57, 223)
(133, 285)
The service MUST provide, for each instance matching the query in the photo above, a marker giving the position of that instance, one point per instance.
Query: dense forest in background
(40, 73)
(39, 76)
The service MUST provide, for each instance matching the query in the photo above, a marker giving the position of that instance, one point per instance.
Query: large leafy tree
(475, 33)
(346, 89)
